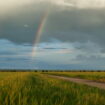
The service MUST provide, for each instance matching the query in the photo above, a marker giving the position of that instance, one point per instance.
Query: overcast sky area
(73, 36)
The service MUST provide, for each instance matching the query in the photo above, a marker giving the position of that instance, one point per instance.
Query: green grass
(38, 89)
(5, 74)
(96, 76)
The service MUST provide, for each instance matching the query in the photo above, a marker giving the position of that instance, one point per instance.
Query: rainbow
(39, 33)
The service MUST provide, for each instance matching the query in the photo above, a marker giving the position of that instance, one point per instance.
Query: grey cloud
(103, 51)
(70, 25)
(5, 53)
(95, 60)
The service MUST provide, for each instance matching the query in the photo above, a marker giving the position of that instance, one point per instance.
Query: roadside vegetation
(30, 88)
(95, 76)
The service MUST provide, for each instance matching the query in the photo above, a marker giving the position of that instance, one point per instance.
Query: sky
(52, 34)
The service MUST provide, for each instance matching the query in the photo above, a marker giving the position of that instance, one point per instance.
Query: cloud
(62, 3)
(74, 25)
(26, 25)
(7, 5)
(73, 28)
(64, 51)
(79, 3)
(51, 55)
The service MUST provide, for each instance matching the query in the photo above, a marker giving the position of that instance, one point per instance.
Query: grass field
(96, 76)
(29, 88)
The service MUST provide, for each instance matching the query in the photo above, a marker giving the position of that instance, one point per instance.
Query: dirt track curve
(81, 81)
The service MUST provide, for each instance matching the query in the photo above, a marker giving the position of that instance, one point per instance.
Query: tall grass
(38, 89)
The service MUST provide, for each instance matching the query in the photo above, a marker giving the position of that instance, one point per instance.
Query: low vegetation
(96, 76)
(29, 88)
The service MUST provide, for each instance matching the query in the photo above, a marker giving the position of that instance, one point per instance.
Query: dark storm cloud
(73, 36)
(13, 27)
(79, 25)
(68, 24)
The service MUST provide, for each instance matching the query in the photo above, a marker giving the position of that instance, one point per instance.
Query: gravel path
(81, 81)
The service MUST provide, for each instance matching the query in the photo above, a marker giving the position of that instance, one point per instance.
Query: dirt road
(81, 81)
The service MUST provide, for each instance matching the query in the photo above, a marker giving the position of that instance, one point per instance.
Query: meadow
(95, 76)
(30, 88)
